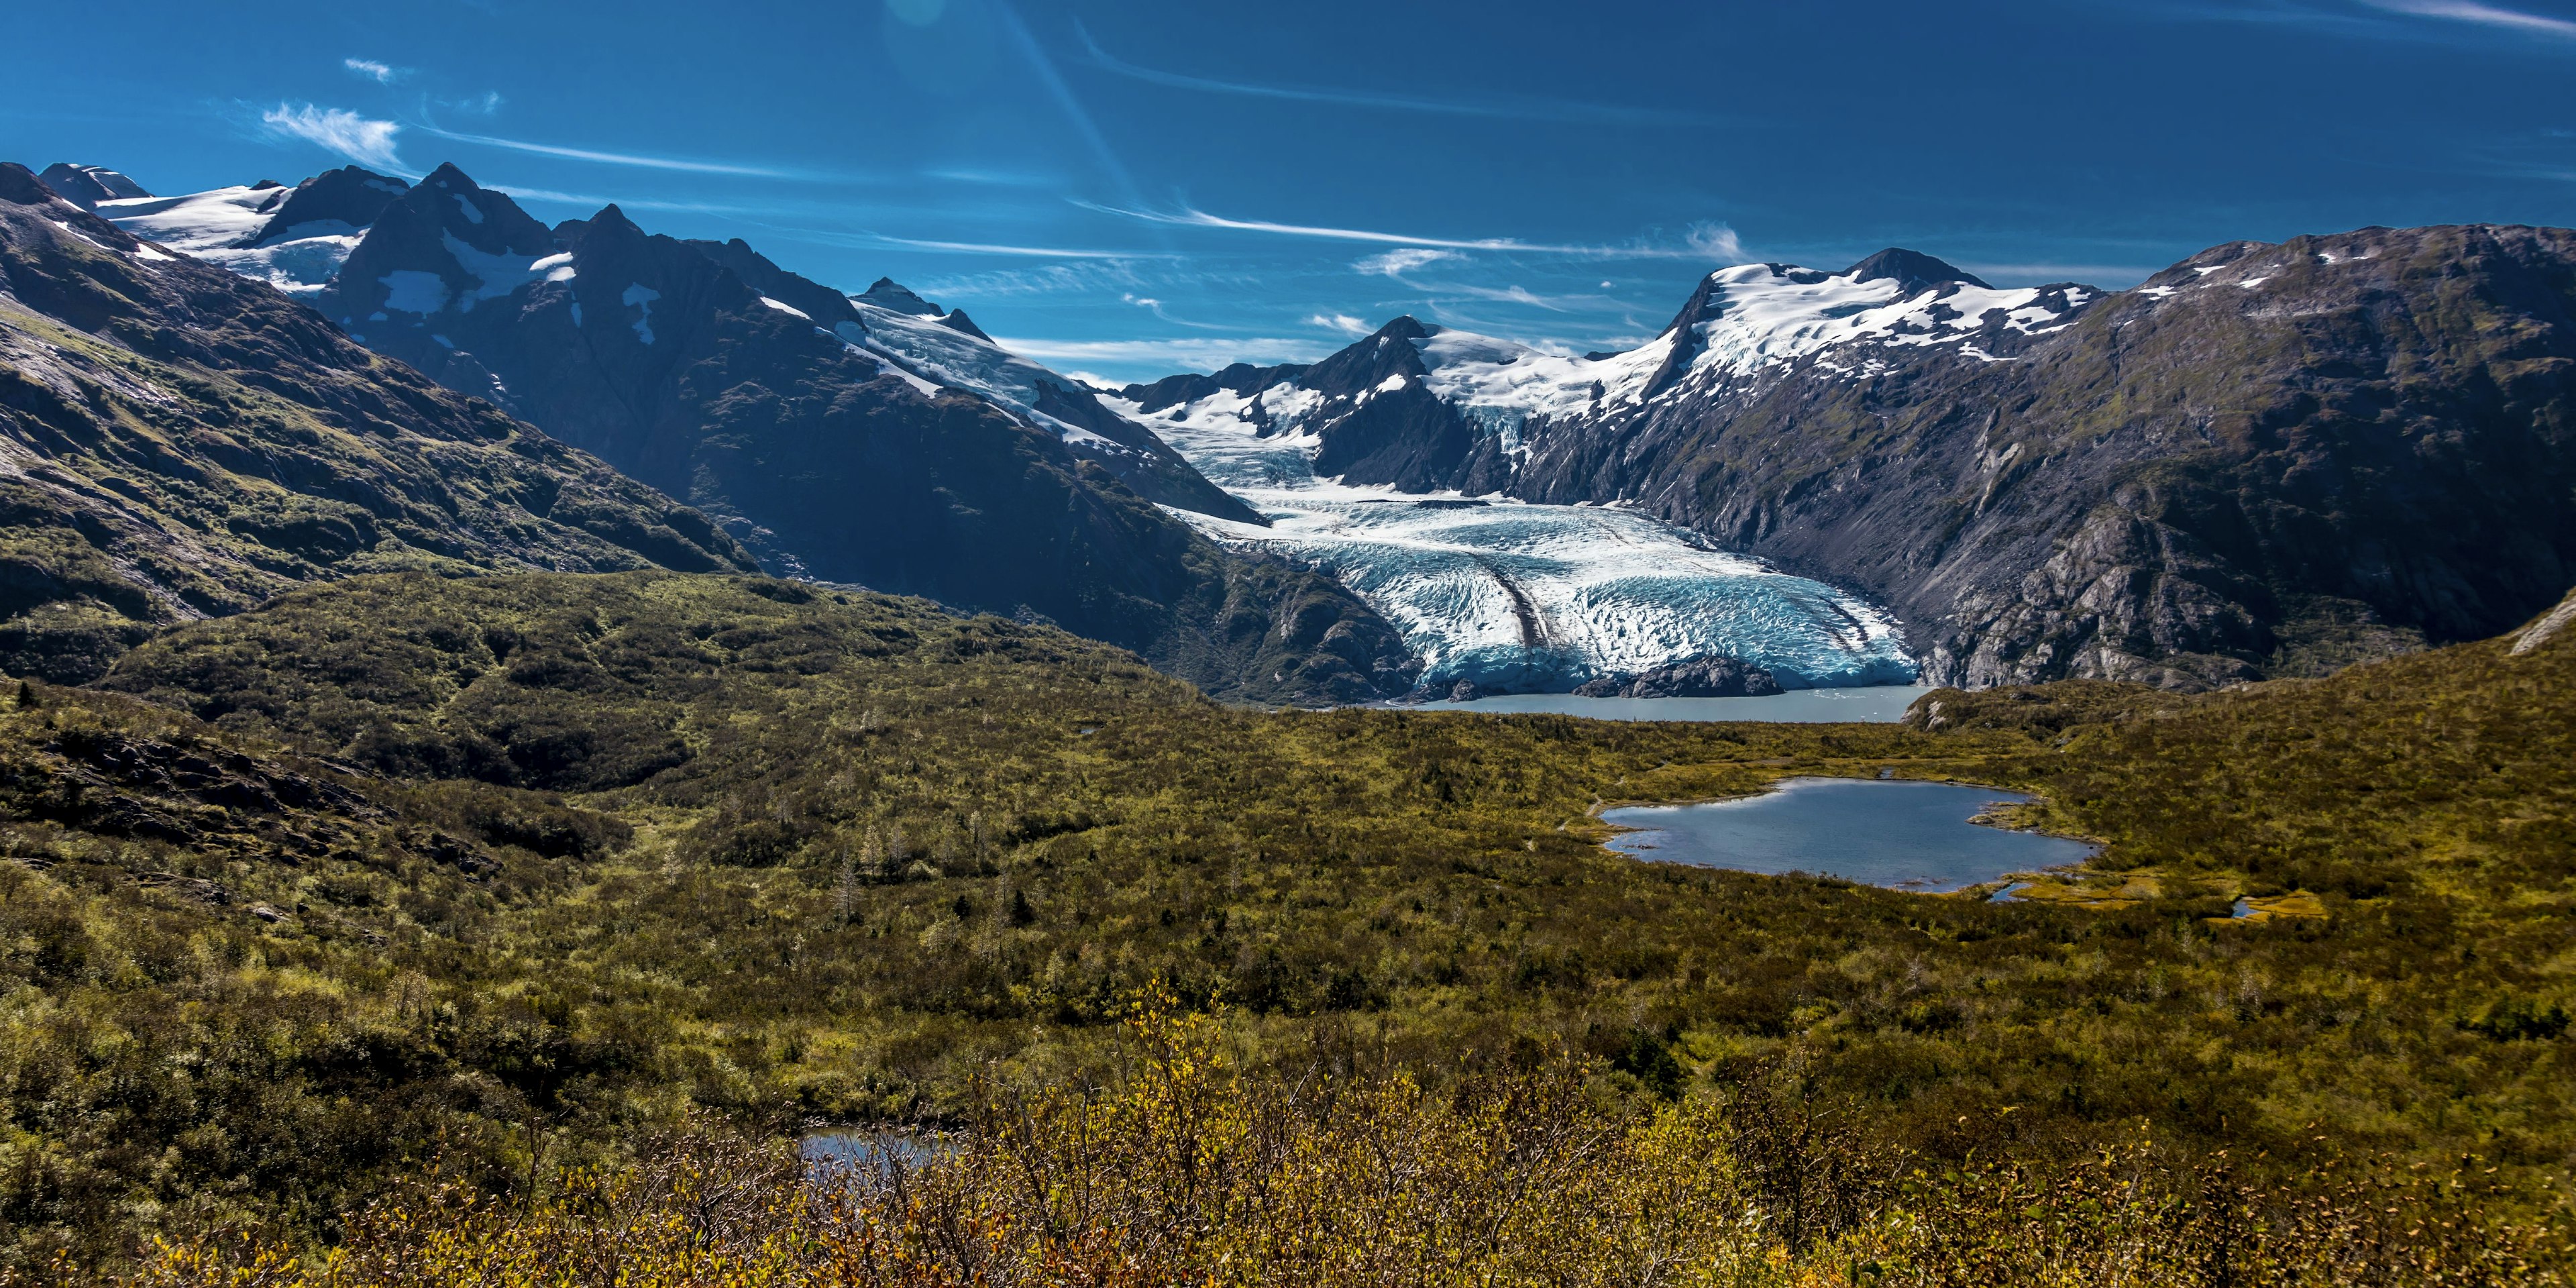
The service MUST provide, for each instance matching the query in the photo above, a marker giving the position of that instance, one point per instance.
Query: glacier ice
(1520, 597)
(217, 226)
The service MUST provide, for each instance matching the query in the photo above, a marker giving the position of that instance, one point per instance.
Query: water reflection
(1902, 835)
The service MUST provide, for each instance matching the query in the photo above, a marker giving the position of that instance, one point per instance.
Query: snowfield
(217, 227)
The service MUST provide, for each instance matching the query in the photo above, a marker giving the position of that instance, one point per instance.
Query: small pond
(1902, 835)
(1875, 704)
(863, 1153)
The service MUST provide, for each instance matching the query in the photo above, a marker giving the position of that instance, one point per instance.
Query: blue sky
(1139, 187)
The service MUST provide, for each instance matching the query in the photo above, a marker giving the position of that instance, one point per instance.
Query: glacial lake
(1901, 835)
(1874, 704)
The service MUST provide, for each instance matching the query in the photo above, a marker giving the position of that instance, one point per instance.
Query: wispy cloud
(1398, 265)
(1340, 323)
(2363, 19)
(1714, 241)
(380, 73)
(483, 104)
(1165, 355)
(1563, 112)
(620, 158)
(1003, 248)
(1086, 278)
(1188, 217)
(367, 142)
(2482, 14)
(1155, 307)
(862, 237)
(1396, 262)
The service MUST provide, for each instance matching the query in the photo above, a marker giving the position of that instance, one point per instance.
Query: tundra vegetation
(508, 929)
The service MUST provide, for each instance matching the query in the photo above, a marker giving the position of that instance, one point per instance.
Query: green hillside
(510, 870)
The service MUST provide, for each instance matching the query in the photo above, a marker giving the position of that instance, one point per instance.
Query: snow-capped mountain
(945, 348)
(178, 442)
(1512, 595)
(87, 185)
(291, 238)
(296, 239)
(1424, 407)
(876, 439)
(2267, 459)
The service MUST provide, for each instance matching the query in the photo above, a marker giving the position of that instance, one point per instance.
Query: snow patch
(197, 221)
(220, 227)
(472, 216)
(498, 275)
(786, 308)
(70, 231)
(640, 296)
(920, 348)
(409, 290)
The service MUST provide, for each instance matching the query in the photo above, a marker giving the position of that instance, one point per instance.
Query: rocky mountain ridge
(2265, 460)
(182, 442)
(873, 440)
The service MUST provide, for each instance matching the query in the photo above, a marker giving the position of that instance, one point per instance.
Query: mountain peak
(20, 186)
(87, 185)
(886, 293)
(1405, 326)
(448, 176)
(1911, 270)
(350, 195)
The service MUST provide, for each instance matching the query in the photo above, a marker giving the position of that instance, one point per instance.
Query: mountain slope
(181, 442)
(817, 429)
(2267, 460)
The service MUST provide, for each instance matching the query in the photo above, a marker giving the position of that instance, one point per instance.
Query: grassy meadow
(551, 889)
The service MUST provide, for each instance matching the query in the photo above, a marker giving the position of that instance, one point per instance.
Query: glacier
(1513, 596)
(219, 226)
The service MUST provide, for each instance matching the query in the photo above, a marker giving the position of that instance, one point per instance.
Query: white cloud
(1715, 241)
(619, 158)
(1341, 322)
(367, 142)
(1165, 355)
(2484, 14)
(380, 73)
(1398, 262)
(1557, 110)
(1187, 217)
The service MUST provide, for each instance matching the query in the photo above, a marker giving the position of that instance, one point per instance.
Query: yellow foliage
(1185, 1172)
